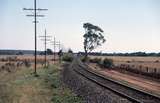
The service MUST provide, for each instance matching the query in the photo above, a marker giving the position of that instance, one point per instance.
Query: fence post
(147, 69)
(155, 70)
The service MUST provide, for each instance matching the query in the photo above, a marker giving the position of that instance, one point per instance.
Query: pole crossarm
(31, 9)
(36, 15)
(46, 36)
(55, 44)
(46, 39)
(52, 42)
(36, 22)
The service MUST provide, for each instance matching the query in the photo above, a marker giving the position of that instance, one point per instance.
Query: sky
(129, 25)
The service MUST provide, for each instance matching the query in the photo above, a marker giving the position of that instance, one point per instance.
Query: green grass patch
(23, 87)
(60, 94)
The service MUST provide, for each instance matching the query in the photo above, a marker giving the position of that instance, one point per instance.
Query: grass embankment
(23, 87)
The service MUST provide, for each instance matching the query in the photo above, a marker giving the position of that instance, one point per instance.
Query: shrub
(84, 59)
(107, 63)
(11, 58)
(27, 63)
(67, 57)
(128, 61)
(95, 60)
(3, 60)
(157, 61)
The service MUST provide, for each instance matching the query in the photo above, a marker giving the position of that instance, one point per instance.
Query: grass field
(29, 57)
(23, 87)
(21, 60)
(150, 62)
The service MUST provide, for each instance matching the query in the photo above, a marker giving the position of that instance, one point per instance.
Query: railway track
(129, 93)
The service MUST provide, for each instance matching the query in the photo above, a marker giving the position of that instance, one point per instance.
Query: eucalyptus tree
(93, 37)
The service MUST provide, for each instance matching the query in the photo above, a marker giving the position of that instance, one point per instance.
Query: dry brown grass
(28, 57)
(129, 58)
(150, 62)
(20, 59)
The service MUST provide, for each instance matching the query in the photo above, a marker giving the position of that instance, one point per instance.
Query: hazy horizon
(129, 26)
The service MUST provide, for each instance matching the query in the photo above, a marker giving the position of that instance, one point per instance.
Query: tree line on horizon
(121, 54)
(22, 52)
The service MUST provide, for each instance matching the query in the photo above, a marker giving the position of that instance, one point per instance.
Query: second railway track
(129, 93)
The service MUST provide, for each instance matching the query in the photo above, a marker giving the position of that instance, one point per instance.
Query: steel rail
(92, 76)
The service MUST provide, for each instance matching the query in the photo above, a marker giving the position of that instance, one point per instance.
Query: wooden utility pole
(45, 48)
(55, 43)
(45, 45)
(54, 49)
(35, 24)
(59, 46)
(35, 28)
